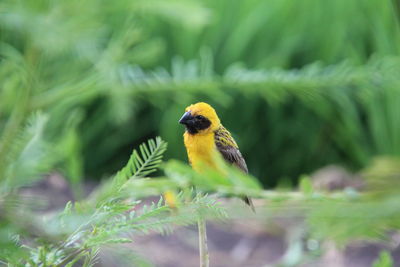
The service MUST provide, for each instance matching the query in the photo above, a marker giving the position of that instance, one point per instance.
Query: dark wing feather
(232, 155)
(228, 148)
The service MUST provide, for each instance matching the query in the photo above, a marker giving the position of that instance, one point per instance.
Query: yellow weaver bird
(205, 136)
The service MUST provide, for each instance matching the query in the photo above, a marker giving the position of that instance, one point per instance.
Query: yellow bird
(205, 136)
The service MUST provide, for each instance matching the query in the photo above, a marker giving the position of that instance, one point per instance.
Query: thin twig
(71, 257)
(203, 249)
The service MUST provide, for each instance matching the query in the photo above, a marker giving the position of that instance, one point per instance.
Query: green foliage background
(300, 84)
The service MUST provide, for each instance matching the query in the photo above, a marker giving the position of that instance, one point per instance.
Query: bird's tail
(249, 202)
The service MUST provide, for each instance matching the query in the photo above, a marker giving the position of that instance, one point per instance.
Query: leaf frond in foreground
(141, 165)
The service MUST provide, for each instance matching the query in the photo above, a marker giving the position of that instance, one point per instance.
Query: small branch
(71, 257)
(203, 249)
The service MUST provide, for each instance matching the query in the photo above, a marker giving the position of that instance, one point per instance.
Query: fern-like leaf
(141, 165)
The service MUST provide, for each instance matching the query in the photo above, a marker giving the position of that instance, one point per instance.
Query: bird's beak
(186, 118)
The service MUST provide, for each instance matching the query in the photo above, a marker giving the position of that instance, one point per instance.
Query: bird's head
(200, 118)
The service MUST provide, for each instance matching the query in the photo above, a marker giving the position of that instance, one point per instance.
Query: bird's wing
(228, 148)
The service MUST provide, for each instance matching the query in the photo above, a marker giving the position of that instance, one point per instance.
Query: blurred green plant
(77, 233)
(300, 84)
(113, 214)
(109, 76)
(385, 260)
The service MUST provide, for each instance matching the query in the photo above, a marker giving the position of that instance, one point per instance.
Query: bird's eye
(199, 117)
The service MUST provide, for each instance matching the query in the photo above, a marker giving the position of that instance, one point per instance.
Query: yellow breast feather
(200, 149)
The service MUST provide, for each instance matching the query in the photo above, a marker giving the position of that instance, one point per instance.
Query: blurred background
(300, 84)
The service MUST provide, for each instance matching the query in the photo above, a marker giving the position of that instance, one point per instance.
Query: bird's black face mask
(194, 124)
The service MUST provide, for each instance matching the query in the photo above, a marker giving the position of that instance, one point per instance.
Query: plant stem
(203, 249)
(71, 257)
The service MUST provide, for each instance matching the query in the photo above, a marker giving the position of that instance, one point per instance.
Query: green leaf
(145, 163)
(384, 260)
(306, 185)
